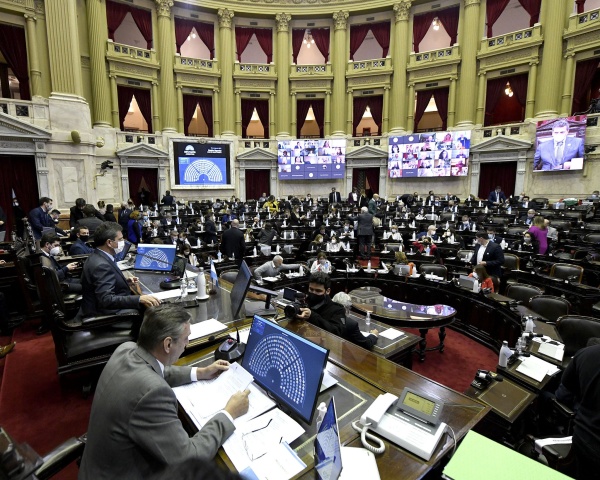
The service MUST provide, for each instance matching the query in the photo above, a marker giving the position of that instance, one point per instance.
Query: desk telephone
(411, 421)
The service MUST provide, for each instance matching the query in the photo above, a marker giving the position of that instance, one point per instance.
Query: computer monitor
(288, 366)
(328, 451)
(239, 289)
(155, 257)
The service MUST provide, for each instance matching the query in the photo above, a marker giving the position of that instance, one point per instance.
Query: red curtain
(449, 19)
(265, 40)
(297, 38)
(532, 7)
(580, 5)
(262, 108)
(247, 111)
(421, 25)
(497, 173)
(440, 96)
(143, 177)
(494, 9)
(357, 37)
(190, 102)
(318, 107)
(518, 83)
(18, 174)
(14, 50)
(584, 74)
(143, 20)
(183, 28)
(206, 108)
(495, 88)
(115, 13)
(381, 32)
(423, 97)
(376, 107)
(206, 32)
(302, 107)
(242, 39)
(257, 183)
(321, 38)
(359, 106)
(145, 103)
(372, 180)
(124, 97)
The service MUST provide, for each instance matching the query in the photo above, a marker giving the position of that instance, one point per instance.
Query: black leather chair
(592, 238)
(549, 306)
(522, 292)
(435, 269)
(516, 230)
(595, 227)
(576, 330)
(511, 261)
(567, 271)
(229, 275)
(464, 254)
(55, 461)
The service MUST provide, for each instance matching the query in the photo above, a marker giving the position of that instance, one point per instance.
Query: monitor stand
(258, 308)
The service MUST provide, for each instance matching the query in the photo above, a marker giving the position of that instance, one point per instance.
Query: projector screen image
(311, 159)
(559, 144)
(201, 164)
(433, 154)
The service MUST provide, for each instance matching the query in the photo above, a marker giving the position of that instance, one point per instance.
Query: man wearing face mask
(105, 290)
(322, 311)
(466, 223)
(80, 246)
(488, 254)
(40, 217)
(50, 248)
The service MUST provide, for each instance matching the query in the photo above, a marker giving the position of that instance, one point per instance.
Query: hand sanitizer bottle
(505, 353)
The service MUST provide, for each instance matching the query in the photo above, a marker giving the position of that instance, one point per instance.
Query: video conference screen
(311, 159)
(201, 164)
(560, 144)
(433, 154)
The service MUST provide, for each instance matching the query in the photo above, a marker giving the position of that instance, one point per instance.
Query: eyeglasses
(247, 445)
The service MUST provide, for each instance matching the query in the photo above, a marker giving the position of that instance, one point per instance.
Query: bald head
(277, 261)
(235, 223)
(364, 210)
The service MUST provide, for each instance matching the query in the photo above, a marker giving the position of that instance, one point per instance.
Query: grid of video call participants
(434, 154)
(311, 159)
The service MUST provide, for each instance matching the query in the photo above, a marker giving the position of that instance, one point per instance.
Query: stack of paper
(205, 328)
(553, 349)
(536, 368)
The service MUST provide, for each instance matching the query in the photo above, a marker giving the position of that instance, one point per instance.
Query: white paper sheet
(536, 368)
(554, 350)
(205, 328)
(392, 334)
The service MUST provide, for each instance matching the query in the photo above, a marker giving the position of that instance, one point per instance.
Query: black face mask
(312, 299)
(84, 238)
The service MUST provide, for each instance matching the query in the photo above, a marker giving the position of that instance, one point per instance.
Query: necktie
(559, 152)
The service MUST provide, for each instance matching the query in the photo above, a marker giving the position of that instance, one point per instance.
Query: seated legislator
(273, 267)
(488, 254)
(105, 290)
(267, 235)
(485, 281)
(321, 264)
(322, 311)
(50, 248)
(80, 247)
(352, 331)
(134, 431)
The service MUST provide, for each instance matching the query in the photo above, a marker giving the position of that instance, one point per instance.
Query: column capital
(30, 18)
(537, 62)
(283, 21)
(402, 10)
(341, 20)
(225, 15)
(216, 90)
(154, 83)
(471, 3)
(568, 54)
(163, 7)
(482, 73)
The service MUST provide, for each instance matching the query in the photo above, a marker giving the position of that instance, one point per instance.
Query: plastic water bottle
(321, 411)
(368, 319)
(184, 288)
(529, 325)
(219, 255)
(201, 284)
(254, 252)
(505, 353)
(369, 265)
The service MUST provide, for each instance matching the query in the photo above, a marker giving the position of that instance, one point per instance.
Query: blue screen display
(158, 258)
(286, 365)
(202, 171)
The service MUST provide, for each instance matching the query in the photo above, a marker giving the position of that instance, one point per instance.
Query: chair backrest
(567, 271)
(512, 261)
(593, 226)
(549, 306)
(516, 230)
(394, 247)
(464, 254)
(576, 330)
(435, 269)
(561, 224)
(51, 295)
(229, 275)
(592, 238)
(522, 292)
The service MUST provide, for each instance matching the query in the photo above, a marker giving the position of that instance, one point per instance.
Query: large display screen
(311, 159)
(433, 154)
(201, 164)
(560, 144)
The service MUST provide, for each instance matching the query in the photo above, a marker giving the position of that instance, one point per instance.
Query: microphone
(487, 375)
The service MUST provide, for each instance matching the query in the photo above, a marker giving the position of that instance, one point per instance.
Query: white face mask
(55, 251)
(120, 247)
(475, 275)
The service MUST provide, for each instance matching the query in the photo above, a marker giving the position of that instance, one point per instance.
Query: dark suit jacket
(351, 198)
(492, 197)
(365, 224)
(105, 290)
(493, 258)
(134, 431)
(39, 219)
(352, 333)
(80, 248)
(92, 223)
(75, 214)
(168, 200)
(210, 232)
(335, 197)
(232, 242)
(544, 158)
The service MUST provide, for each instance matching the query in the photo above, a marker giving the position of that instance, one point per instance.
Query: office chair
(592, 238)
(516, 230)
(567, 271)
(549, 307)
(595, 227)
(576, 330)
(229, 275)
(435, 269)
(522, 292)
(464, 254)
(511, 261)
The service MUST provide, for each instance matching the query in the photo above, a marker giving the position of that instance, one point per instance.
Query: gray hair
(166, 320)
(342, 298)
(279, 258)
(364, 210)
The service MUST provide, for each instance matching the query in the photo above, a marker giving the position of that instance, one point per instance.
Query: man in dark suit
(89, 219)
(488, 254)
(491, 233)
(80, 247)
(134, 431)
(496, 197)
(364, 230)
(557, 153)
(40, 217)
(50, 248)
(233, 243)
(76, 212)
(168, 199)
(105, 290)
(334, 197)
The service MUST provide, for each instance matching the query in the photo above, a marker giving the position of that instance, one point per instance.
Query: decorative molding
(471, 3)
(253, 83)
(367, 152)
(590, 37)
(198, 81)
(499, 144)
(312, 83)
(402, 10)
(163, 7)
(38, 6)
(141, 150)
(340, 20)
(445, 70)
(225, 17)
(85, 62)
(283, 22)
(368, 80)
(134, 70)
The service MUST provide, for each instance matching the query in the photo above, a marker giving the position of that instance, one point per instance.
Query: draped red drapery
(14, 50)
(494, 9)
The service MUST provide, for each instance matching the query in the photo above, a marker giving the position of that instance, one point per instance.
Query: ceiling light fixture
(436, 24)
(508, 90)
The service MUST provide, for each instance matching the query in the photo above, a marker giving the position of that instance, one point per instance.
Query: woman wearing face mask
(134, 230)
(334, 244)
(321, 264)
(185, 251)
(317, 243)
(451, 237)
(525, 245)
(485, 281)
(394, 234)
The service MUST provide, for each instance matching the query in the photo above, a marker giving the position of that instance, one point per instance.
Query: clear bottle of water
(184, 287)
(505, 353)
(368, 319)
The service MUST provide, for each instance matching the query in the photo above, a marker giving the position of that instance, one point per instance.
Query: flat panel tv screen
(201, 164)
(316, 159)
(560, 144)
(432, 154)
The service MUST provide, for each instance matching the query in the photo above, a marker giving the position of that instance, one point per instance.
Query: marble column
(226, 62)
(63, 47)
(294, 128)
(97, 39)
(410, 108)
(531, 81)
(216, 113)
(283, 63)
(35, 75)
(480, 116)
(451, 102)
(166, 58)
(349, 112)
(385, 123)
(272, 126)
(400, 55)
(180, 122)
(327, 115)
(339, 61)
(567, 96)
(548, 89)
(114, 103)
(156, 124)
(238, 112)
(465, 115)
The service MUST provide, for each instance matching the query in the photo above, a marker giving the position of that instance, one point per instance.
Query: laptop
(155, 257)
(128, 262)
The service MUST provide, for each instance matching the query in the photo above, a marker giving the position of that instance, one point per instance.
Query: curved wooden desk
(401, 314)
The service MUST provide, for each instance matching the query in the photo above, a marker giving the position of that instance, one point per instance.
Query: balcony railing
(154, 139)
(364, 66)
(35, 113)
(374, 141)
(310, 70)
(434, 57)
(196, 64)
(122, 51)
(255, 69)
(523, 37)
(246, 144)
(508, 129)
(584, 20)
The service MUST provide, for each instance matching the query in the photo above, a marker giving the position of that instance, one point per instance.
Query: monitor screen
(560, 144)
(201, 164)
(433, 154)
(155, 257)
(288, 366)
(311, 159)
(328, 452)
(239, 289)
